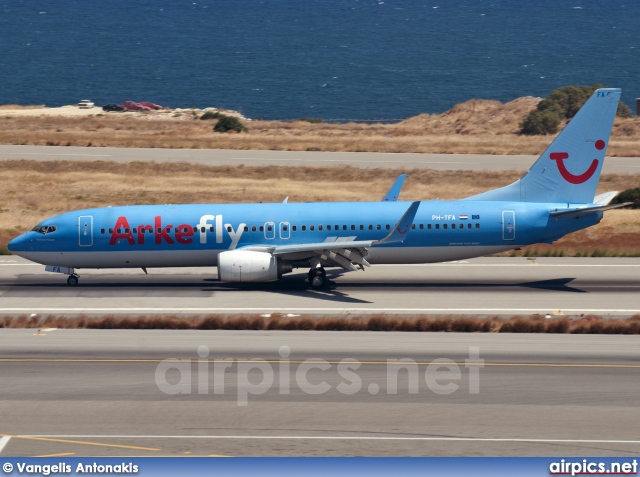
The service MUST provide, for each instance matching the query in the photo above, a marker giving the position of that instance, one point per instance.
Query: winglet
(394, 192)
(398, 234)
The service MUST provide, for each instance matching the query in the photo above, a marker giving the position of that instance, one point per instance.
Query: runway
(232, 393)
(220, 157)
(482, 286)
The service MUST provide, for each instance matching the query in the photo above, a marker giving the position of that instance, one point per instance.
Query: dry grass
(421, 323)
(477, 126)
(34, 190)
(19, 107)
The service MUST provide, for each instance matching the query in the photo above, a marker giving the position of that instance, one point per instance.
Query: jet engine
(250, 266)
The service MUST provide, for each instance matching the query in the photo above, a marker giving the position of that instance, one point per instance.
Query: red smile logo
(401, 232)
(559, 157)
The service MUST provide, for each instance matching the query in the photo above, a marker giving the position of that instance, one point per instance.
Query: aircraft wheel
(317, 278)
(72, 281)
(317, 282)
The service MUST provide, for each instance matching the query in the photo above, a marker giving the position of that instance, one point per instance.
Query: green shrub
(210, 115)
(540, 122)
(311, 120)
(229, 123)
(629, 195)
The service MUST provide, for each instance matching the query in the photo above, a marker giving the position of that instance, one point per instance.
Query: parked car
(113, 107)
(133, 106)
(86, 104)
(150, 105)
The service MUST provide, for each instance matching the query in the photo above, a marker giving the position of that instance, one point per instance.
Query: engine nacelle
(249, 266)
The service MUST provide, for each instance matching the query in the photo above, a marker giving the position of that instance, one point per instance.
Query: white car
(86, 104)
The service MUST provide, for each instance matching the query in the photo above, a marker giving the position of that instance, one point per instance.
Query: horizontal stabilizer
(575, 213)
(606, 198)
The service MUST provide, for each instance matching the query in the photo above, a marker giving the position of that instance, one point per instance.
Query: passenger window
(378, 227)
(444, 226)
(421, 226)
(437, 226)
(370, 227)
(262, 228)
(101, 231)
(269, 228)
(253, 228)
(304, 228)
(337, 227)
(344, 227)
(126, 230)
(135, 230)
(461, 226)
(413, 226)
(353, 227)
(110, 231)
(246, 229)
(361, 227)
(211, 229)
(229, 229)
(294, 228)
(320, 227)
(388, 227)
(311, 227)
(477, 226)
(285, 228)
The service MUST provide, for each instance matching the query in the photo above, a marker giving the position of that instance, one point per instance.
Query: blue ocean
(330, 59)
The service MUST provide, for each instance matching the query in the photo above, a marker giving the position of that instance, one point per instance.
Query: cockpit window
(44, 229)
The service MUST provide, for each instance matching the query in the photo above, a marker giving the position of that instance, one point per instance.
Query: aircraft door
(85, 230)
(508, 225)
(284, 230)
(269, 230)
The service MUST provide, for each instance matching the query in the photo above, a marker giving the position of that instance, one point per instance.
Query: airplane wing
(343, 252)
(393, 193)
(575, 213)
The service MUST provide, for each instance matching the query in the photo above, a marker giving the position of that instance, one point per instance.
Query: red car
(133, 106)
(150, 105)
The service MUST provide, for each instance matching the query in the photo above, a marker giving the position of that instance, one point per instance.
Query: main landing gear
(317, 278)
(72, 281)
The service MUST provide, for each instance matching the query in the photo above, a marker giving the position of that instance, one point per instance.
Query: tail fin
(569, 169)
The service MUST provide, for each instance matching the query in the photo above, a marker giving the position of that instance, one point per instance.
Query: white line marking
(4, 440)
(49, 154)
(363, 438)
(425, 265)
(349, 160)
(316, 310)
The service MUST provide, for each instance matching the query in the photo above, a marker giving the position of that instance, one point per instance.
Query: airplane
(261, 242)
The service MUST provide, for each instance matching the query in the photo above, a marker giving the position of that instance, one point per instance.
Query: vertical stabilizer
(569, 169)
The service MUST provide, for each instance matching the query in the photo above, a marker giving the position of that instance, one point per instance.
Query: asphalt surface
(113, 393)
(219, 157)
(482, 286)
(90, 392)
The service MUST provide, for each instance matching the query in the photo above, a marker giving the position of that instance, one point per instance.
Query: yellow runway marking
(87, 443)
(275, 361)
(63, 454)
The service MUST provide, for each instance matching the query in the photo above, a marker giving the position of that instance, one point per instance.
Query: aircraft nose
(18, 244)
